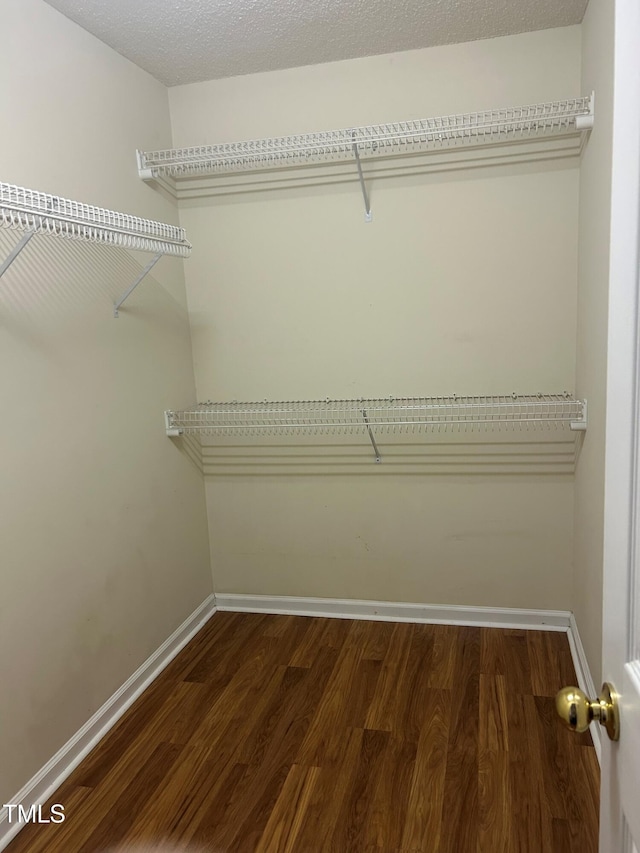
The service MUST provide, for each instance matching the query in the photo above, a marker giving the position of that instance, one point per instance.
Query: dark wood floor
(282, 733)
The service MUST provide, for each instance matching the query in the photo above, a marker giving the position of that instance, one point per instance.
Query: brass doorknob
(577, 711)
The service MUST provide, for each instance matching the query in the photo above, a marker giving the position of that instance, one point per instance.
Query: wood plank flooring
(271, 734)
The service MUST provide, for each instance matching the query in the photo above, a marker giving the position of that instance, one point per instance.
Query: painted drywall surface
(463, 283)
(102, 521)
(480, 75)
(489, 541)
(591, 360)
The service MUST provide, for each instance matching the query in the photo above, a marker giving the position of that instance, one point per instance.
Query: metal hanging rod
(35, 212)
(468, 129)
(387, 415)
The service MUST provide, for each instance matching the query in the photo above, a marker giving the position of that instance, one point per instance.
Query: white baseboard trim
(585, 679)
(57, 769)
(394, 611)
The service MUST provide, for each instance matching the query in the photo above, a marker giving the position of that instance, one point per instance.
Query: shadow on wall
(54, 278)
(190, 447)
(535, 449)
(409, 173)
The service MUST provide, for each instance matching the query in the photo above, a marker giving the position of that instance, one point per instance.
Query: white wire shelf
(468, 130)
(34, 212)
(380, 416)
(31, 210)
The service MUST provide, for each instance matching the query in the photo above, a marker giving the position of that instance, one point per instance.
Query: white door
(620, 794)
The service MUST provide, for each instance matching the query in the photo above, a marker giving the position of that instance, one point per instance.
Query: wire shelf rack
(396, 138)
(30, 210)
(391, 415)
(34, 212)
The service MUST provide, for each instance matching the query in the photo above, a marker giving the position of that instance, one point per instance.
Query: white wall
(102, 522)
(464, 282)
(591, 361)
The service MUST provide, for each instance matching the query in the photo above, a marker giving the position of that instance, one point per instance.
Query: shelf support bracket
(365, 195)
(128, 292)
(170, 429)
(145, 173)
(15, 252)
(581, 425)
(371, 438)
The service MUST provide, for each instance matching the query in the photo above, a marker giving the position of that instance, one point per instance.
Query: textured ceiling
(185, 41)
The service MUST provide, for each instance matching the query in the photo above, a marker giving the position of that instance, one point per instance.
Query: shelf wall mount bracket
(15, 252)
(585, 122)
(145, 173)
(371, 438)
(365, 195)
(580, 425)
(171, 430)
(129, 291)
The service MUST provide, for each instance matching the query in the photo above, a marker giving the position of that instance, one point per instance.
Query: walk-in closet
(303, 346)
